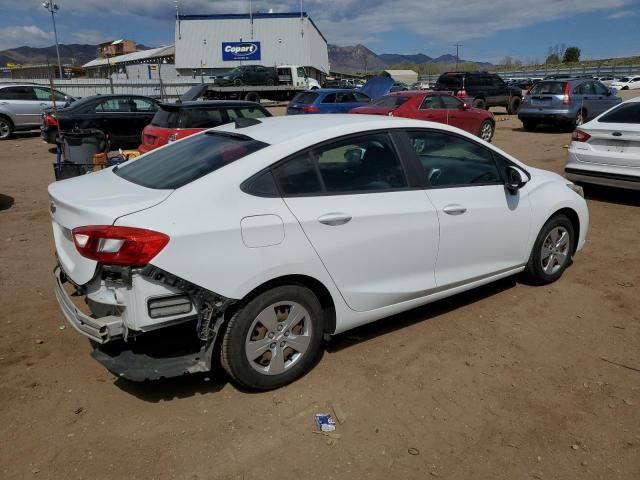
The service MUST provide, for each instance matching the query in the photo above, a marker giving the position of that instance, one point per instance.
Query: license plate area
(617, 146)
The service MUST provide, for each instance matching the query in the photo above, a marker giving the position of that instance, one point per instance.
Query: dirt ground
(505, 382)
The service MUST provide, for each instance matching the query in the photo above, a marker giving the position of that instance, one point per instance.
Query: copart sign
(235, 51)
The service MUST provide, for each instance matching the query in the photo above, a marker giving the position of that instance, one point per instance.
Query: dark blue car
(338, 100)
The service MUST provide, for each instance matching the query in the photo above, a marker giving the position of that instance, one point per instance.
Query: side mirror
(516, 179)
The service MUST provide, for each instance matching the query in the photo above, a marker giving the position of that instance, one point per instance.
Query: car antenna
(243, 122)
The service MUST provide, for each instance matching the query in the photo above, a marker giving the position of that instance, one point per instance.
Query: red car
(433, 106)
(174, 121)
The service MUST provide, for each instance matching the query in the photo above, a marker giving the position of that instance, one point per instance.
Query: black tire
(535, 271)
(238, 82)
(270, 82)
(6, 128)
(252, 97)
(529, 125)
(581, 117)
(625, 88)
(487, 129)
(233, 356)
(514, 105)
(479, 103)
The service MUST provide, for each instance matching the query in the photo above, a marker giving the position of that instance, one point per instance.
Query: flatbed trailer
(252, 93)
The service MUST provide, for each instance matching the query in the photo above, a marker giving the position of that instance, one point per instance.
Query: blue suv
(566, 102)
(327, 100)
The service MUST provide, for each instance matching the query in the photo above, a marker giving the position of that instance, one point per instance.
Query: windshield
(450, 80)
(391, 101)
(165, 118)
(548, 88)
(183, 162)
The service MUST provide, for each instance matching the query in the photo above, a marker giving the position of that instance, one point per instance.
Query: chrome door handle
(334, 219)
(454, 209)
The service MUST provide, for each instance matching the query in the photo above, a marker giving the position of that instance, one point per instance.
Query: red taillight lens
(310, 109)
(118, 245)
(148, 139)
(51, 120)
(580, 136)
(462, 94)
(567, 94)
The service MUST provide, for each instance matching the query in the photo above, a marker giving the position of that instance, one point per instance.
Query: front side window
(183, 162)
(390, 101)
(331, 98)
(452, 161)
(44, 94)
(346, 98)
(600, 89)
(361, 98)
(143, 105)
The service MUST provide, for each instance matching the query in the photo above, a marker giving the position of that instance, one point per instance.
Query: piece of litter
(62, 327)
(413, 451)
(575, 447)
(325, 422)
(629, 402)
(39, 341)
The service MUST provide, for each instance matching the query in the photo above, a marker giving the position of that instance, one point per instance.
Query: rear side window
(624, 113)
(17, 93)
(185, 161)
(166, 118)
(306, 98)
(548, 88)
(450, 81)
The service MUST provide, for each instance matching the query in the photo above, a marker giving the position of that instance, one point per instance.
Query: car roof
(293, 128)
(209, 104)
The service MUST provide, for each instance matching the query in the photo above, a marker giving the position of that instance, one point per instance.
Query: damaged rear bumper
(168, 350)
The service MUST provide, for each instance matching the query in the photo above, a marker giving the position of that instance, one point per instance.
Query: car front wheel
(552, 251)
(514, 105)
(486, 130)
(274, 338)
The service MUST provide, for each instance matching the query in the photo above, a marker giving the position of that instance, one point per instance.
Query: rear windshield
(624, 113)
(548, 88)
(183, 162)
(450, 81)
(623, 79)
(205, 117)
(391, 101)
(306, 98)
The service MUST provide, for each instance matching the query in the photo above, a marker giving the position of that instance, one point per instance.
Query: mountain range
(356, 58)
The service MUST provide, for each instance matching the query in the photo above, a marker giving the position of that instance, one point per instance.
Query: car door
(345, 101)
(113, 116)
(585, 95)
(499, 91)
(484, 229)
(457, 116)
(22, 102)
(377, 236)
(328, 104)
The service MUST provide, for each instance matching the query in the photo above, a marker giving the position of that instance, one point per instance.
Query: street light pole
(457, 45)
(53, 8)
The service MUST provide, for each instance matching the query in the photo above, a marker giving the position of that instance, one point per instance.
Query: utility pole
(53, 8)
(457, 45)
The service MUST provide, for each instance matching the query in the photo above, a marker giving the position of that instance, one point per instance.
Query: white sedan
(606, 150)
(253, 240)
(626, 83)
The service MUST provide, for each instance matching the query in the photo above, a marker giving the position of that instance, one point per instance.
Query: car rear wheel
(479, 103)
(486, 130)
(514, 105)
(6, 128)
(270, 82)
(238, 82)
(274, 338)
(552, 251)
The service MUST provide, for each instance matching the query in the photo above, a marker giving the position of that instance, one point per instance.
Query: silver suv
(21, 106)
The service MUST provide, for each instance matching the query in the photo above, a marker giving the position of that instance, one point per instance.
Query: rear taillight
(172, 138)
(580, 136)
(50, 120)
(310, 109)
(118, 245)
(567, 94)
(462, 94)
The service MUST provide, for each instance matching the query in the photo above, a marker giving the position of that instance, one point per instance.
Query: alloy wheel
(555, 250)
(278, 338)
(5, 129)
(486, 132)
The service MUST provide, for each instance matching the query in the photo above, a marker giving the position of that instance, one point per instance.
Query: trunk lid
(93, 199)
(619, 142)
(547, 95)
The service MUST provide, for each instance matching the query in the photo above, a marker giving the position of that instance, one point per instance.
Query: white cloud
(622, 14)
(24, 35)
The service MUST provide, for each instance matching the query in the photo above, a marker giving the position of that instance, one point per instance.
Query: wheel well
(312, 284)
(575, 223)
(7, 117)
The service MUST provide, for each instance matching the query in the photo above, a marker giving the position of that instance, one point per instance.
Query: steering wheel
(434, 175)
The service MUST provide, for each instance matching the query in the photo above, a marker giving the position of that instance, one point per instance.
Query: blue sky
(489, 31)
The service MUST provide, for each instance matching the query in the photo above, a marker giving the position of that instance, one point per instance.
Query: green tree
(571, 54)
